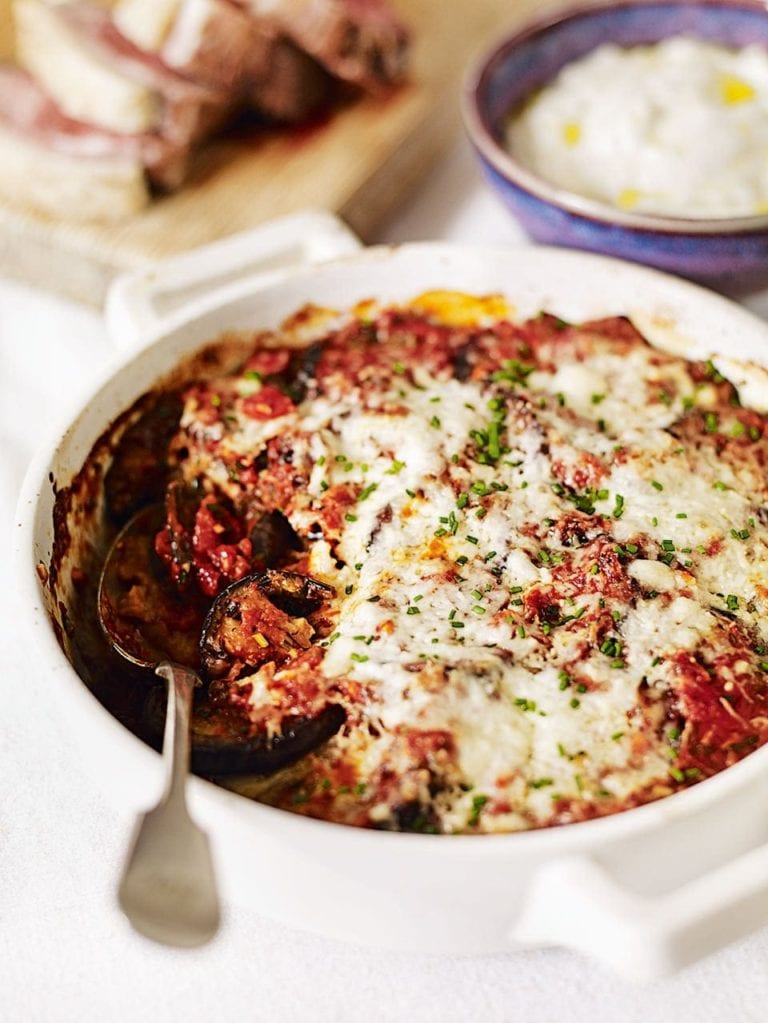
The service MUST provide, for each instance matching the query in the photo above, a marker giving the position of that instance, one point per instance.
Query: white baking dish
(647, 891)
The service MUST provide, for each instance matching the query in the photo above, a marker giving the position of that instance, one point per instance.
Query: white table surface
(66, 953)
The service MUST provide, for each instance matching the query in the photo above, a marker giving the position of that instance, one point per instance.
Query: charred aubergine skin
(222, 744)
(258, 620)
(261, 618)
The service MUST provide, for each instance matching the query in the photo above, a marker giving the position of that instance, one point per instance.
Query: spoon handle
(181, 686)
(168, 890)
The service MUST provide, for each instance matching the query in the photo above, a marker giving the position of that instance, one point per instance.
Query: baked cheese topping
(548, 549)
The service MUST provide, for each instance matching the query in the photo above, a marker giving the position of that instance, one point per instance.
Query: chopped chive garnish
(493, 447)
(478, 802)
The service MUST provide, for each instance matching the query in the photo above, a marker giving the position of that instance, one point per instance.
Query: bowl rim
(478, 129)
(72, 690)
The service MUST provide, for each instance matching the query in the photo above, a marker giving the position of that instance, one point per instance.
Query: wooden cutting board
(360, 163)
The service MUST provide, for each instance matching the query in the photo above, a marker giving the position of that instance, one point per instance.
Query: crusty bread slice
(66, 186)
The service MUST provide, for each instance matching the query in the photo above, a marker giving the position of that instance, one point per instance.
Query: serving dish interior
(666, 311)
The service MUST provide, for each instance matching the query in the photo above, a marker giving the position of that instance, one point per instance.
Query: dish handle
(575, 902)
(147, 303)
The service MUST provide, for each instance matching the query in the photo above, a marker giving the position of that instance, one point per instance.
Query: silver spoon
(168, 890)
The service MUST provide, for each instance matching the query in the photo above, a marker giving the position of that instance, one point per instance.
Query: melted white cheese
(442, 552)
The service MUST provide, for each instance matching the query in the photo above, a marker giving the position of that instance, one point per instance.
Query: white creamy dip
(679, 128)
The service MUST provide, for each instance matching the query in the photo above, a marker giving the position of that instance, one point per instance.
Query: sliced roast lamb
(96, 75)
(226, 46)
(359, 41)
(281, 81)
(208, 41)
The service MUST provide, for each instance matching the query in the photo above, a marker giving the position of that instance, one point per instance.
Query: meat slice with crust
(282, 81)
(208, 41)
(359, 41)
(226, 46)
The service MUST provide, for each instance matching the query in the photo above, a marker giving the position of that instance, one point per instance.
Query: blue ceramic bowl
(730, 253)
